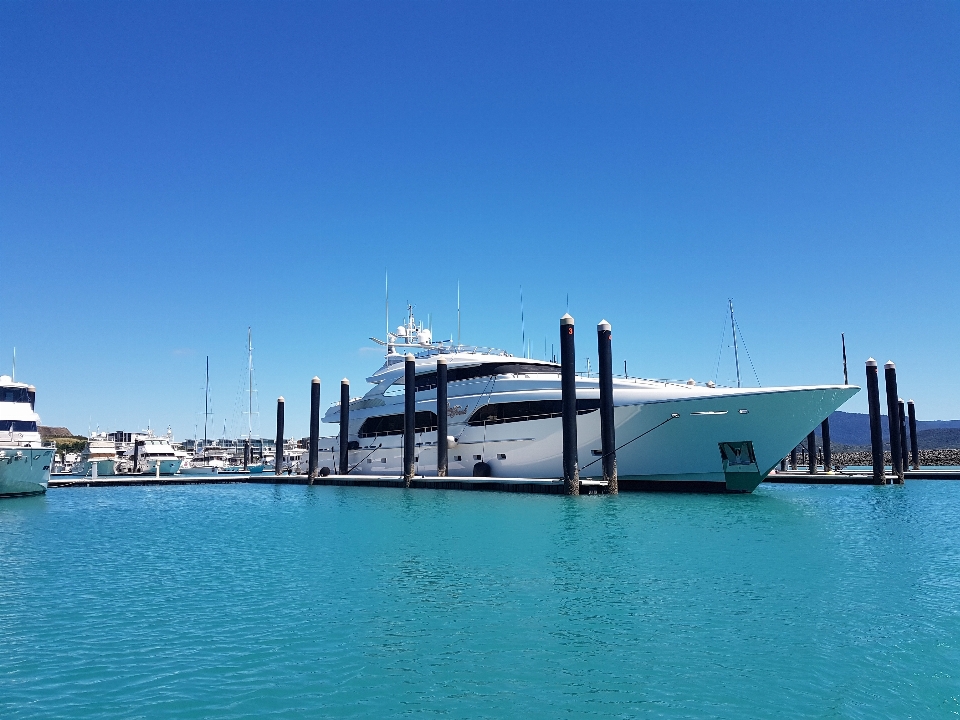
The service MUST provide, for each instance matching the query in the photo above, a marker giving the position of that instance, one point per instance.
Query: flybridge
(412, 337)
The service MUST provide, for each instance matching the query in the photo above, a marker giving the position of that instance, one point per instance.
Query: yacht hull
(167, 467)
(105, 468)
(24, 471)
(723, 443)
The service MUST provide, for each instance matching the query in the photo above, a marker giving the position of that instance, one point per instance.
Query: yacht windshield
(428, 380)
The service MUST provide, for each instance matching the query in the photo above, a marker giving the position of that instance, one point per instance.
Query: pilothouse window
(14, 394)
(18, 426)
(507, 412)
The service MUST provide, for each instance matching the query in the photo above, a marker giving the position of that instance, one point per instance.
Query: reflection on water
(246, 600)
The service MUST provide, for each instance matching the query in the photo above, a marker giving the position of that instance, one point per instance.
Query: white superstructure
(504, 419)
(25, 461)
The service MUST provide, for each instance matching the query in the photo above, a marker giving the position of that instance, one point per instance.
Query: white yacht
(210, 460)
(25, 461)
(101, 450)
(153, 450)
(504, 419)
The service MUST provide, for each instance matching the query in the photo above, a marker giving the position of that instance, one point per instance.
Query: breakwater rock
(928, 458)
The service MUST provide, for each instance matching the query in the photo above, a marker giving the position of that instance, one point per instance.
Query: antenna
(523, 329)
(14, 376)
(386, 290)
(736, 354)
(843, 342)
(458, 313)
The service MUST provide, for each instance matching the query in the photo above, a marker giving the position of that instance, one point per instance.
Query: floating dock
(805, 477)
(549, 486)
(520, 485)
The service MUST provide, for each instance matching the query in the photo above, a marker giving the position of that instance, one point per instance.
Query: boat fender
(451, 442)
(324, 471)
(482, 469)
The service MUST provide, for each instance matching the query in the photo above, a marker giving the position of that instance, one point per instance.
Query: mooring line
(349, 470)
(673, 416)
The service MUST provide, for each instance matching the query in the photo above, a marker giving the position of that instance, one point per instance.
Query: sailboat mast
(736, 354)
(206, 406)
(250, 376)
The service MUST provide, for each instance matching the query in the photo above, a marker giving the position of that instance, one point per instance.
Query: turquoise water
(288, 601)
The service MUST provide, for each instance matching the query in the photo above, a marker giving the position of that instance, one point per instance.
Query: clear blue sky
(171, 173)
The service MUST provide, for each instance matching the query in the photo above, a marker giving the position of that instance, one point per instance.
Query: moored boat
(99, 457)
(25, 460)
(504, 419)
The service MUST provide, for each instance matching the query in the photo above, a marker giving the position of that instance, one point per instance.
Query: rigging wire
(748, 352)
(723, 335)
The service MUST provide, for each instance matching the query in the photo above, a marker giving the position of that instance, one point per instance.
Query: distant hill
(48, 433)
(854, 429)
(938, 438)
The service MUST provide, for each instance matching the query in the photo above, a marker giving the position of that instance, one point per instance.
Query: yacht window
(424, 421)
(18, 426)
(496, 413)
(14, 394)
